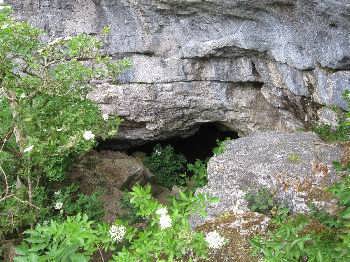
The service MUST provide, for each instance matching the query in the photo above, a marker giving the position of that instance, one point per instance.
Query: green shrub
(167, 166)
(74, 239)
(129, 211)
(298, 238)
(164, 235)
(46, 119)
(198, 175)
(220, 146)
(168, 235)
(342, 131)
(74, 202)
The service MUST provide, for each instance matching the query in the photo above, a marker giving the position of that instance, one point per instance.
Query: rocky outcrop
(248, 65)
(111, 173)
(295, 167)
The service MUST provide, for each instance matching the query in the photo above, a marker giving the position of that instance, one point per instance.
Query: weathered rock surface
(111, 173)
(237, 229)
(295, 167)
(250, 65)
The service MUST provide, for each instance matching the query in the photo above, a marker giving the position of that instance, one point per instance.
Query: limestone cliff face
(245, 64)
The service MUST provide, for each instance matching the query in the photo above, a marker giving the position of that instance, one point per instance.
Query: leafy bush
(297, 239)
(303, 238)
(167, 166)
(342, 131)
(164, 235)
(220, 148)
(74, 239)
(46, 120)
(74, 202)
(198, 175)
(167, 234)
(129, 211)
(261, 201)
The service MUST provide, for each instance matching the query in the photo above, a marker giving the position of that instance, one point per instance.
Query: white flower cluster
(105, 117)
(117, 232)
(157, 152)
(28, 149)
(58, 205)
(88, 135)
(214, 240)
(164, 219)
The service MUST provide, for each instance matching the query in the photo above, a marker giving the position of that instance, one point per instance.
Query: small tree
(46, 120)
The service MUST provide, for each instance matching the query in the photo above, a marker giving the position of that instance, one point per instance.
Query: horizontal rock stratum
(245, 64)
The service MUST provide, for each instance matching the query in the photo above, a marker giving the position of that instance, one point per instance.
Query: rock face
(294, 167)
(245, 64)
(111, 173)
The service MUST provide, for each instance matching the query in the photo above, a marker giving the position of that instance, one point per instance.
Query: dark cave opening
(196, 146)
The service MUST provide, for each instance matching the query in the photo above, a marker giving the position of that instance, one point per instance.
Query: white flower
(157, 152)
(214, 240)
(28, 149)
(162, 211)
(58, 205)
(59, 129)
(88, 135)
(165, 221)
(57, 193)
(23, 95)
(105, 117)
(117, 232)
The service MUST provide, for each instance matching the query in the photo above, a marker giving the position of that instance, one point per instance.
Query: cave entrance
(197, 146)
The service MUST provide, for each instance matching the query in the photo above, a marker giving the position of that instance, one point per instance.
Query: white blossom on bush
(88, 135)
(157, 152)
(117, 233)
(214, 240)
(162, 211)
(58, 205)
(28, 149)
(105, 117)
(57, 193)
(164, 219)
(165, 222)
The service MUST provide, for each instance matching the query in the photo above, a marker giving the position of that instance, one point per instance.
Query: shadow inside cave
(197, 146)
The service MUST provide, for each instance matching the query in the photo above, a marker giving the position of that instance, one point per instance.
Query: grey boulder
(295, 167)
